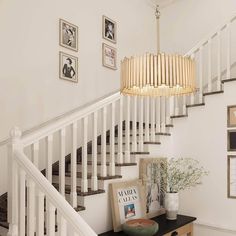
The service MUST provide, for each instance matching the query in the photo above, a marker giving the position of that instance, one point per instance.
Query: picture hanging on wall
(127, 202)
(68, 35)
(68, 67)
(109, 28)
(232, 140)
(150, 174)
(232, 177)
(109, 56)
(231, 110)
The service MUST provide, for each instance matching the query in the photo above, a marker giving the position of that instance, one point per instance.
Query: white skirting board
(202, 228)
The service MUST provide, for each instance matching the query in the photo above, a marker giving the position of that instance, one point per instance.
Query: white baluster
(172, 106)
(62, 162)
(15, 135)
(200, 75)
(120, 132)
(49, 147)
(218, 61)
(127, 131)
(163, 114)
(140, 124)
(147, 120)
(112, 142)
(168, 121)
(40, 214)
(62, 227)
(177, 105)
(84, 180)
(158, 115)
(184, 105)
(153, 119)
(103, 147)
(73, 193)
(50, 219)
(134, 125)
(209, 87)
(35, 153)
(94, 180)
(30, 207)
(228, 52)
(22, 203)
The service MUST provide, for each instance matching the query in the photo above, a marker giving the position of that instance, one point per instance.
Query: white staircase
(82, 153)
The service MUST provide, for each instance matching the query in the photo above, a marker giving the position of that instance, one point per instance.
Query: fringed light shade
(158, 75)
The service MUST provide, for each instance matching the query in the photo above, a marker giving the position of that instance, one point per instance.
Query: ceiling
(161, 3)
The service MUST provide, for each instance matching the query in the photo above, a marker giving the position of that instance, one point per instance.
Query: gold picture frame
(109, 29)
(127, 202)
(231, 176)
(154, 195)
(68, 67)
(109, 56)
(231, 143)
(231, 116)
(68, 35)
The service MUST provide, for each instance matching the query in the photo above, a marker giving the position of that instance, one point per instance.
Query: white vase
(171, 205)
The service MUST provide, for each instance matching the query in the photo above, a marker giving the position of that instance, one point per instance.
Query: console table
(183, 225)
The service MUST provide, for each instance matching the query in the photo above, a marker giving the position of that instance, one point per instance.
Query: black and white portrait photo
(109, 29)
(68, 67)
(68, 35)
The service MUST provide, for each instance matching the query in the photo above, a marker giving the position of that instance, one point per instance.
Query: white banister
(140, 124)
(62, 161)
(40, 213)
(22, 206)
(30, 207)
(218, 61)
(192, 96)
(228, 51)
(200, 75)
(209, 86)
(158, 115)
(127, 131)
(84, 181)
(134, 125)
(120, 132)
(163, 114)
(63, 207)
(49, 147)
(147, 117)
(94, 179)
(112, 142)
(73, 193)
(104, 143)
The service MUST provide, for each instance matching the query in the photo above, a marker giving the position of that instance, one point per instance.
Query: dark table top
(165, 226)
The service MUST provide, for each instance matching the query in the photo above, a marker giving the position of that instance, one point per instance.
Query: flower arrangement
(180, 174)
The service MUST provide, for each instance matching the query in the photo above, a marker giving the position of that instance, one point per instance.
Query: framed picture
(232, 140)
(109, 29)
(127, 201)
(68, 68)
(109, 56)
(68, 35)
(149, 173)
(232, 177)
(231, 110)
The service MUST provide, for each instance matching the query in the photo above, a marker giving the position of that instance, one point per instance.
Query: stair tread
(228, 80)
(89, 175)
(212, 93)
(107, 163)
(195, 105)
(132, 153)
(79, 191)
(179, 116)
(159, 133)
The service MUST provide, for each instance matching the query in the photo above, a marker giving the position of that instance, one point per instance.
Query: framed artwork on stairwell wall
(127, 202)
(109, 29)
(232, 176)
(109, 56)
(231, 140)
(149, 173)
(68, 68)
(68, 35)
(231, 116)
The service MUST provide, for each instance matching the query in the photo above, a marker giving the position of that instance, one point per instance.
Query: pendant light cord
(158, 14)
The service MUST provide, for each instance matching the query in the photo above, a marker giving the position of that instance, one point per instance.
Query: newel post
(15, 143)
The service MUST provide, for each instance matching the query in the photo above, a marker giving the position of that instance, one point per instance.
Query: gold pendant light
(158, 75)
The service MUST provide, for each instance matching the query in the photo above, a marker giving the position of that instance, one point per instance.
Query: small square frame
(105, 49)
(231, 116)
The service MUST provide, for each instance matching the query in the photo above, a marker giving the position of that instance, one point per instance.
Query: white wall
(186, 22)
(31, 91)
(203, 136)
